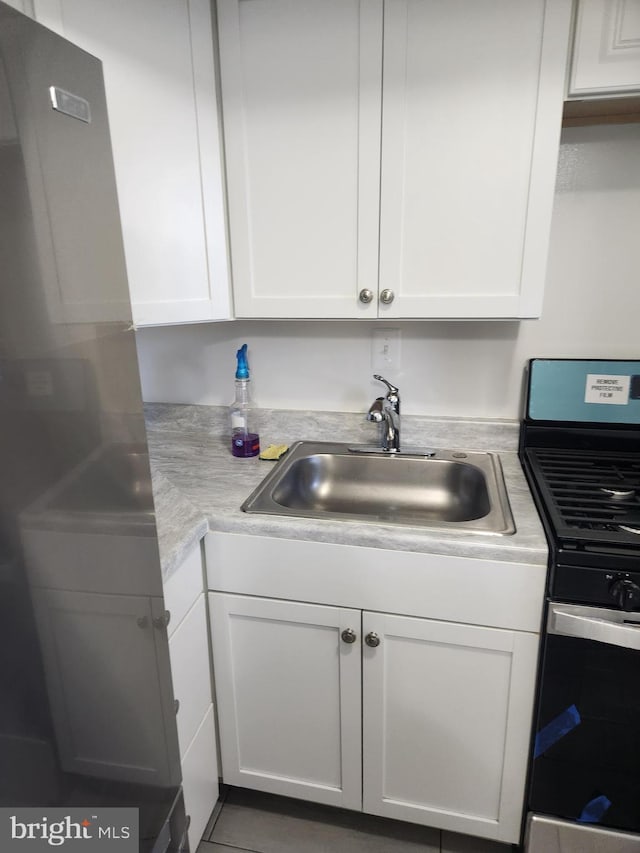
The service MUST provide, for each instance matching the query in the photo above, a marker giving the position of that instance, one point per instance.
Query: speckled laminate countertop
(199, 485)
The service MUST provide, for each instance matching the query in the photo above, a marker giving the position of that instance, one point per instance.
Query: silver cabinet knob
(349, 636)
(365, 296)
(372, 640)
(176, 705)
(387, 296)
(162, 621)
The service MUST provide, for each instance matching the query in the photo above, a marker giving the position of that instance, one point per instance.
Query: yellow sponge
(274, 451)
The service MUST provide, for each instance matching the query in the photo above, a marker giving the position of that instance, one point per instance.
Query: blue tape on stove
(594, 811)
(555, 730)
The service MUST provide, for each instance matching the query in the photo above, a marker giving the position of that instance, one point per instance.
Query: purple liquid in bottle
(244, 444)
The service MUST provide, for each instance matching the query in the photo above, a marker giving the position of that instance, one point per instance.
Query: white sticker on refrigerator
(607, 389)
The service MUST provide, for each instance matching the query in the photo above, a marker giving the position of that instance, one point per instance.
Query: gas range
(585, 478)
(593, 496)
(580, 450)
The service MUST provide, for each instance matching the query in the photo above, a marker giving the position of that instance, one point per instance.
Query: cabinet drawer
(200, 778)
(189, 651)
(183, 587)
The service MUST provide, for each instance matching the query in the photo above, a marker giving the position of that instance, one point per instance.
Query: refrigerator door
(86, 703)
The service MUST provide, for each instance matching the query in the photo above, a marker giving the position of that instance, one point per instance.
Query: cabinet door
(161, 98)
(606, 50)
(447, 715)
(301, 89)
(189, 651)
(288, 691)
(105, 664)
(472, 104)
(200, 778)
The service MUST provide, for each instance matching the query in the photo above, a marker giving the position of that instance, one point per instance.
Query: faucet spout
(386, 411)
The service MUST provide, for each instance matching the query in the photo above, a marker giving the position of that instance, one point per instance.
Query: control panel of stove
(596, 585)
(625, 592)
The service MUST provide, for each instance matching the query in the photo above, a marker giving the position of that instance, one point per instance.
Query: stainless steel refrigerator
(86, 706)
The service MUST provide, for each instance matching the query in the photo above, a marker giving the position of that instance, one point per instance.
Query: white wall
(591, 309)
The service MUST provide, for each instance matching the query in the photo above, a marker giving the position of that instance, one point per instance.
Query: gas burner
(618, 494)
(591, 496)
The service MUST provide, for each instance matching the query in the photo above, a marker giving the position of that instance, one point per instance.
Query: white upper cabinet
(472, 103)
(301, 83)
(161, 97)
(606, 51)
(407, 149)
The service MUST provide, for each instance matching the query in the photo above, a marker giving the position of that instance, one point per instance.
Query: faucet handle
(392, 388)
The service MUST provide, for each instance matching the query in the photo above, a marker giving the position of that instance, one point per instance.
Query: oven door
(550, 835)
(586, 758)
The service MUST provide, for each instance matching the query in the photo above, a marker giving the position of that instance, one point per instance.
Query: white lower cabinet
(446, 723)
(199, 783)
(191, 674)
(288, 692)
(442, 711)
(189, 651)
(106, 665)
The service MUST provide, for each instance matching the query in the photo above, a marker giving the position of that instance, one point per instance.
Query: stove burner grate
(590, 491)
(627, 529)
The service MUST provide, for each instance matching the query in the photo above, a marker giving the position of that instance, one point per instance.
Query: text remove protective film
(584, 391)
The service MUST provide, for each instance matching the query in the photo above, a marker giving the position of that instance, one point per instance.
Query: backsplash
(456, 369)
(278, 425)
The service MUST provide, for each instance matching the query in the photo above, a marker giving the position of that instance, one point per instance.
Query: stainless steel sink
(449, 490)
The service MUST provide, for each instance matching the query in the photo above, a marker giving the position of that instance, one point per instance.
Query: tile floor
(251, 822)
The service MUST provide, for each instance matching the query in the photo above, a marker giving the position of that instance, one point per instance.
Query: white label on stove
(607, 389)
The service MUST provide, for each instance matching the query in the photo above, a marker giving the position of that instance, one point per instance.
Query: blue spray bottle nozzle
(242, 371)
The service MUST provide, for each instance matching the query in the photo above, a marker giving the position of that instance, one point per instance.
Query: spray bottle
(245, 441)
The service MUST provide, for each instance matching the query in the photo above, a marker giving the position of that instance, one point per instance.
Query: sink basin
(449, 490)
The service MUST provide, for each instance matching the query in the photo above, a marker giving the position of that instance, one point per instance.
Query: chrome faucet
(386, 411)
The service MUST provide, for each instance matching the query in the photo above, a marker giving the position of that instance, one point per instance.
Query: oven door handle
(592, 623)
